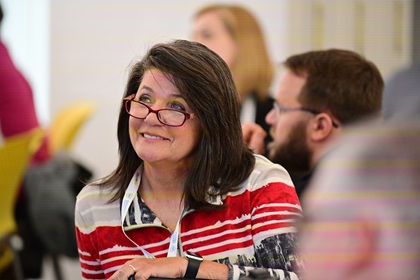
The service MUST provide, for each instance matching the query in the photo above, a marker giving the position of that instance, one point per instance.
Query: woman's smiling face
(153, 141)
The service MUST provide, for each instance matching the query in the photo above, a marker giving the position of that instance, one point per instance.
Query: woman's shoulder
(95, 193)
(94, 207)
(263, 163)
(265, 171)
(269, 181)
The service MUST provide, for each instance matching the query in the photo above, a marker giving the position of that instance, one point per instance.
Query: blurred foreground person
(363, 206)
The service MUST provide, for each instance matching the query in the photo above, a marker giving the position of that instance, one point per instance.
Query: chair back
(67, 124)
(15, 154)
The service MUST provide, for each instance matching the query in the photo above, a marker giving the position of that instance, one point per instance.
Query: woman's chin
(149, 158)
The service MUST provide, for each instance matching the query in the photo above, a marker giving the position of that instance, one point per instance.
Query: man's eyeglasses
(169, 117)
(280, 109)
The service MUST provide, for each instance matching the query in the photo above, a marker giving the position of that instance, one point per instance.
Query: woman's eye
(145, 98)
(177, 106)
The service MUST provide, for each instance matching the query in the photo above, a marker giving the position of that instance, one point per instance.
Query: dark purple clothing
(17, 109)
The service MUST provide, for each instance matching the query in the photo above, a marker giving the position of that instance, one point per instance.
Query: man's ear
(322, 127)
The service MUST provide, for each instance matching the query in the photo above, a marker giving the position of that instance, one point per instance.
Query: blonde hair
(252, 70)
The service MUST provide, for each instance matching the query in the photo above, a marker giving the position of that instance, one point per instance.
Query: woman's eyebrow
(173, 95)
(147, 88)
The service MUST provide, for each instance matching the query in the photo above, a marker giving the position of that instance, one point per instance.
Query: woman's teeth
(152, 137)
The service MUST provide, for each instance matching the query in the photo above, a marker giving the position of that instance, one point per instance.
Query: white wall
(25, 30)
(381, 30)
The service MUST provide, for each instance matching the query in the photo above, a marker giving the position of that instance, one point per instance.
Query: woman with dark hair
(188, 198)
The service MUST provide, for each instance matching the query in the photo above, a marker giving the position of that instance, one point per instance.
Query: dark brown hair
(222, 159)
(340, 82)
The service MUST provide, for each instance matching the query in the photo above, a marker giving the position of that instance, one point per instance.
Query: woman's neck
(162, 191)
(163, 180)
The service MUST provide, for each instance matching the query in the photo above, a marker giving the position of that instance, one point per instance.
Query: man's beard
(294, 154)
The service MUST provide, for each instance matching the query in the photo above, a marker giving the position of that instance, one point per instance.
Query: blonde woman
(235, 34)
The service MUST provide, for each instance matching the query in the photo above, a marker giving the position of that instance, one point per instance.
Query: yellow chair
(67, 123)
(15, 154)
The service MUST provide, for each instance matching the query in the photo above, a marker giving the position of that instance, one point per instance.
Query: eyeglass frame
(279, 108)
(128, 99)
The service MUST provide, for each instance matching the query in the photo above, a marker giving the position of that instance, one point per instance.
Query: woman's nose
(152, 119)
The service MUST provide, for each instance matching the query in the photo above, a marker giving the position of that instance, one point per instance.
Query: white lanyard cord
(129, 196)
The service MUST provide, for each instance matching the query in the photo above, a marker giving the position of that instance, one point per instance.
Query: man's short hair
(340, 82)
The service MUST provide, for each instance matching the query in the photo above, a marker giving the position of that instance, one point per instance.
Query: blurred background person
(234, 33)
(17, 109)
(319, 93)
(18, 115)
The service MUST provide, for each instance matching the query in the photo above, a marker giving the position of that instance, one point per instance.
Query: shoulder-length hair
(222, 160)
(252, 70)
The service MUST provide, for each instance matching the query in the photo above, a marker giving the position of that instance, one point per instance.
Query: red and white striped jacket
(256, 229)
